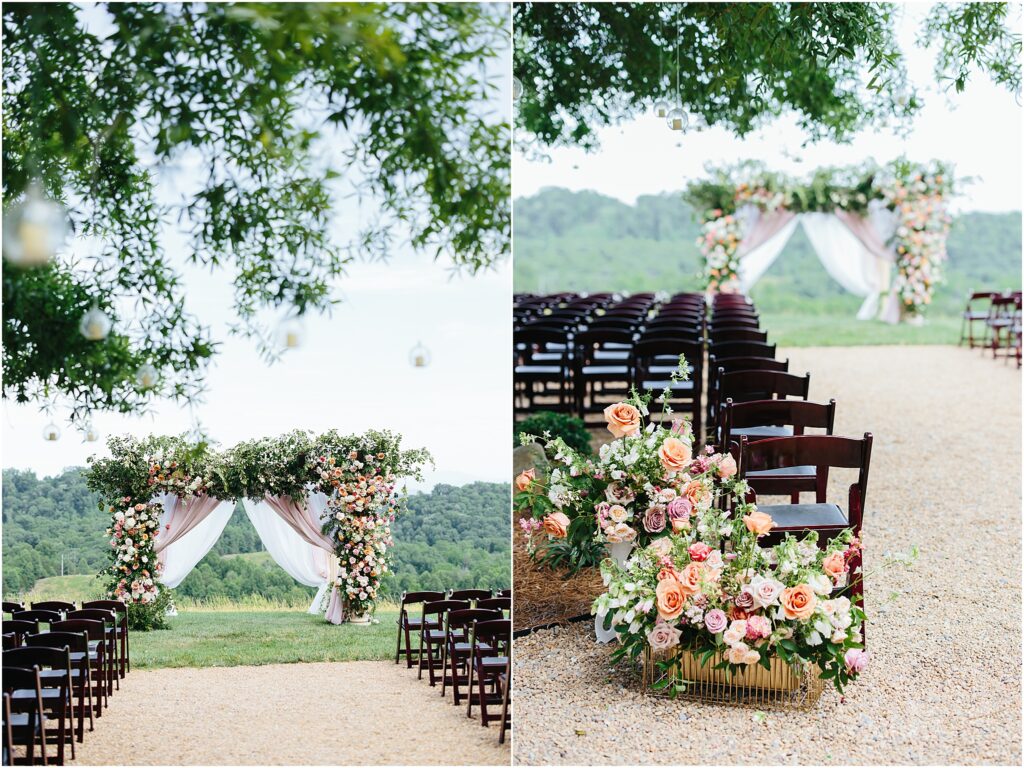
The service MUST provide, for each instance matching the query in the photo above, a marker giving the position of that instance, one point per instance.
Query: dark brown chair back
(742, 349)
(495, 604)
(46, 617)
(469, 594)
(800, 415)
(60, 606)
(95, 630)
(20, 627)
(12, 607)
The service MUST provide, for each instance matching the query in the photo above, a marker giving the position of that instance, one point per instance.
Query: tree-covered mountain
(586, 241)
(451, 537)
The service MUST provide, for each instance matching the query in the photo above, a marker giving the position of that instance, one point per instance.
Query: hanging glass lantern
(51, 433)
(902, 97)
(91, 434)
(34, 229)
(677, 119)
(517, 89)
(292, 332)
(147, 376)
(419, 357)
(661, 108)
(95, 325)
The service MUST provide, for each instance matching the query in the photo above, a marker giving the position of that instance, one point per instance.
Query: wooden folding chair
(99, 672)
(489, 656)
(110, 629)
(433, 641)
(28, 721)
(458, 649)
(81, 660)
(54, 665)
(408, 625)
(120, 610)
(469, 594)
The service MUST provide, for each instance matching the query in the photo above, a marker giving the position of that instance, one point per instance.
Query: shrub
(570, 428)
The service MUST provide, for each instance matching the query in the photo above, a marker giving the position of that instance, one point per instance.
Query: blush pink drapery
(303, 522)
(185, 514)
(765, 227)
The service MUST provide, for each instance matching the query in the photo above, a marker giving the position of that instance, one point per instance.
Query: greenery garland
(357, 472)
(916, 192)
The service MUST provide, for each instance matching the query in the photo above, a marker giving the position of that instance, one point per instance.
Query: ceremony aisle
(359, 712)
(943, 683)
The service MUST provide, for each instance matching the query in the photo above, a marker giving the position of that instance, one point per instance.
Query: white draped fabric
(184, 553)
(854, 251)
(307, 564)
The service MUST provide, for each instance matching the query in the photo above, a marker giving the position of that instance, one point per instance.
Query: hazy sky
(353, 371)
(978, 130)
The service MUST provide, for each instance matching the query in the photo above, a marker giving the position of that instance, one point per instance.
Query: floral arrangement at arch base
(699, 578)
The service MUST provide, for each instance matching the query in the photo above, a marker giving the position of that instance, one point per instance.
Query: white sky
(978, 130)
(352, 372)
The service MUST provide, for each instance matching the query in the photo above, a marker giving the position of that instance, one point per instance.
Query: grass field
(229, 638)
(840, 330)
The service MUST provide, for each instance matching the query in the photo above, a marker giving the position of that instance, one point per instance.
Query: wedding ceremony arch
(863, 222)
(321, 504)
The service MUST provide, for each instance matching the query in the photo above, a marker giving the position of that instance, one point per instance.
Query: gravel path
(351, 713)
(944, 685)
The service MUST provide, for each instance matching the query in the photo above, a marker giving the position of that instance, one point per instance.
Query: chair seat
(30, 693)
(538, 370)
(606, 370)
(762, 432)
(805, 515)
(467, 647)
(660, 386)
(439, 635)
(976, 315)
(57, 674)
(494, 662)
(548, 357)
(611, 356)
(802, 471)
(418, 623)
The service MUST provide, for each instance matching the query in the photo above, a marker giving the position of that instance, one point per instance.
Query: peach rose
(689, 579)
(675, 454)
(835, 566)
(696, 492)
(758, 523)
(669, 598)
(667, 572)
(556, 524)
(525, 479)
(623, 419)
(618, 513)
(727, 466)
(798, 602)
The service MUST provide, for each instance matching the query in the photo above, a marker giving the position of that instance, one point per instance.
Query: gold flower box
(685, 677)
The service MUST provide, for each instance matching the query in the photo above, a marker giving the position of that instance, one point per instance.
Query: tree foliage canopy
(241, 124)
(836, 66)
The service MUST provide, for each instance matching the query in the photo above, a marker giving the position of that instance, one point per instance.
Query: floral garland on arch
(360, 486)
(917, 193)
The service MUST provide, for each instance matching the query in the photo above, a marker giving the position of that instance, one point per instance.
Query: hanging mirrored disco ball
(677, 119)
(147, 376)
(419, 356)
(517, 89)
(95, 325)
(51, 433)
(34, 229)
(661, 108)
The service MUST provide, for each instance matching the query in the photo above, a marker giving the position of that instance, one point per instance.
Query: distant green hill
(585, 241)
(451, 537)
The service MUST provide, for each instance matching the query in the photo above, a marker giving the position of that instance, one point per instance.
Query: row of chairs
(463, 640)
(579, 353)
(771, 437)
(54, 678)
(999, 315)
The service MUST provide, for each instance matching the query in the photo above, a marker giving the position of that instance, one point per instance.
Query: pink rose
(727, 467)
(663, 637)
(680, 508)
(715, 620)
(699, 551)
(654, 519)
(758, 627)
(856, 660)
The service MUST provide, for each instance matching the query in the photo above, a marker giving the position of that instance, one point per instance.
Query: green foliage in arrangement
(836, 66)
(585, 241)
(549, 425)
(452, 537)
(307, 102)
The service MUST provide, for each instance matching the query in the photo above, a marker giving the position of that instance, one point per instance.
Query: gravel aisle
(351, 713)
(944, 685)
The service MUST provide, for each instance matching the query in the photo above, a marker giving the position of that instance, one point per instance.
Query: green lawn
(840, 330)
(227, 638)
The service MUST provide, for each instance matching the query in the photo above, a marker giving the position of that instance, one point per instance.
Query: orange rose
(798, 602)
(623, 419)
(689, 579)
(738, 614)
(758, 523)
(675, 454)
(695, 492)
(835, 565)
(668, 573)
(670, 599)
(556, 524)
(525, 479)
